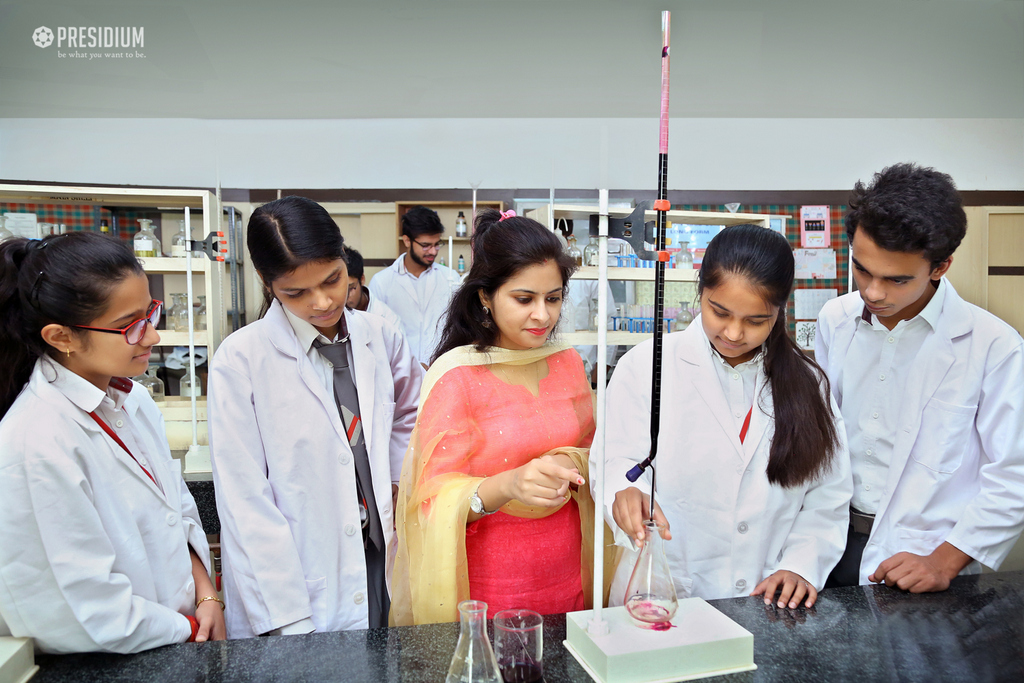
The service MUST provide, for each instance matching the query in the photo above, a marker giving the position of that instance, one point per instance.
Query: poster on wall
(22, 225)
(698, 237)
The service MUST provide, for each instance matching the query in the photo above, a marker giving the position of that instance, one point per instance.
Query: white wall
(705, 154)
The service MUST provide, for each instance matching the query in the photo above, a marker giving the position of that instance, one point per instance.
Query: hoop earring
(487, 312)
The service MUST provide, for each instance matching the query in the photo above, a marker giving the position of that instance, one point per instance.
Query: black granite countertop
(972, 632)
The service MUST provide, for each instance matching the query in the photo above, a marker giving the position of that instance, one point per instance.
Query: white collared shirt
(108, 407)
(738, 383)
(307, 334)
(871, 383)
(420, 302)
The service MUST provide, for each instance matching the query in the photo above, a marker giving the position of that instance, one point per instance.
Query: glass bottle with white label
(460, 226)
(591, 252)
(4, 232)
(145, 241)
(179, 245)
(200, 314)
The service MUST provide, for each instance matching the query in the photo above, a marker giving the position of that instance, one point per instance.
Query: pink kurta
(514, 561)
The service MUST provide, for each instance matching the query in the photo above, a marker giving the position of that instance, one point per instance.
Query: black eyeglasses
(429, 246)
(134, 331)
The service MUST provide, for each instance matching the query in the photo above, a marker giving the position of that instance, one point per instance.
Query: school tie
(347, 399)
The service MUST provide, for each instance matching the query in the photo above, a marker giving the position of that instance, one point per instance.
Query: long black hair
(501, 248)
(61, 279)
(806, 439)
(288, 233)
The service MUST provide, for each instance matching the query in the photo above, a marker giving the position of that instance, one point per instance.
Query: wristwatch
(476, 504)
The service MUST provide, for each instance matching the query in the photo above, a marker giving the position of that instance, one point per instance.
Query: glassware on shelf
(105, 226)
(180, 242)
(441, 261)
(574, 250)
(683, 318)
(200, 314)
(684, 259)
(145, 242)
(46, 229)
(474, 660)
(651, 596)
(591, 252)
(179, 314)
(461, 266)
(153, 384)
(4, 232)
(190, 385)
(460, 226)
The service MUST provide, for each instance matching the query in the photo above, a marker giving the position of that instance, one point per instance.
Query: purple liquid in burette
(521, 672)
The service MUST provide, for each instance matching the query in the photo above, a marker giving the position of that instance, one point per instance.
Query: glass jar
(200, 314)
(153, 384)
(574, 251)
(180, 242)
(179, 316)
(591, 252)
(684, 259)
(460, 226)
(474, 660)
(683, 318)
(190, 385)
(145, 242)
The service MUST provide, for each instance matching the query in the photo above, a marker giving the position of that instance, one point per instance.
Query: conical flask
(651, 595)
(474, 660)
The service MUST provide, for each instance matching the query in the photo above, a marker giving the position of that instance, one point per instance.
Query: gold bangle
(211, 597)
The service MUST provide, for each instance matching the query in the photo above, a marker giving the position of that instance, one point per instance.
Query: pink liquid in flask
(650, 612)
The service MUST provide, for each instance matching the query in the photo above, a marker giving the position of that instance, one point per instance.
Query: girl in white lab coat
(101, 548)
(310, 410)
(753, 475)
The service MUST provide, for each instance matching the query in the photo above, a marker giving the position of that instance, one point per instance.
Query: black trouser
(847, 572)
(378, 601)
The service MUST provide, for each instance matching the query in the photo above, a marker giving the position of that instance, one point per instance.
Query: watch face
(476, 504)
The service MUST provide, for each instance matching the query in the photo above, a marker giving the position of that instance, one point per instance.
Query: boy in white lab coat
(932, 393)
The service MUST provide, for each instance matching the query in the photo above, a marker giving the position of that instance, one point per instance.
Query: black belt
(861, 522)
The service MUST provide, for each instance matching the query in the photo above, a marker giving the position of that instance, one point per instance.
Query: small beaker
(473, 661)
(651, 595)
(519, 645)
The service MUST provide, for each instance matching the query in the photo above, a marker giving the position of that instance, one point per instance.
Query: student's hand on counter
(632, 508)
(792, 588)
(210, 616)
(922, 573)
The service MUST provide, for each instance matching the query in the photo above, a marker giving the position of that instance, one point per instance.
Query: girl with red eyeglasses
(101, 548)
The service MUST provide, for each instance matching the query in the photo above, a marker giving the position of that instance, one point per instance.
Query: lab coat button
(345, 460)
(868, 452)
(735, 376)
(119, 423)
(742, 528)
(330, 364)
(172, 519)
(358, 598)
(350, 529)
(874, 415)
(741, 584)
(881, 377)
(892, 339)
(867, 487)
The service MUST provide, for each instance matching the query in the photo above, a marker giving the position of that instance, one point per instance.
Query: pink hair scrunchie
(507, 214)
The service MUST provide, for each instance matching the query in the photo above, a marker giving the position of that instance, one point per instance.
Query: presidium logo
(105, 38)
(42, 36)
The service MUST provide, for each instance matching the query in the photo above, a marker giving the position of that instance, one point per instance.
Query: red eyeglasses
(134, 331)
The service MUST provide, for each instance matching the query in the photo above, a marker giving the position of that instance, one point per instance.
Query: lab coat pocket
(921, 541)
(315, 589)
(944, 435)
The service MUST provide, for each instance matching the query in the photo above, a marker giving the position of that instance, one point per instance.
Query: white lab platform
(17, 660)
(702, 642)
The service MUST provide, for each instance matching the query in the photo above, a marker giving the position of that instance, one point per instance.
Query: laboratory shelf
(637, 274)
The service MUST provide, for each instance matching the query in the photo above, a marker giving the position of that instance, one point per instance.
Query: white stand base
(703, 642)
(17, 660)
(197, 459)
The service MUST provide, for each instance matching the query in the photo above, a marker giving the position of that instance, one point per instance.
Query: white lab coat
(419, 302)
(957, 469)
(730, 527)
(93, 556)
(285, 477)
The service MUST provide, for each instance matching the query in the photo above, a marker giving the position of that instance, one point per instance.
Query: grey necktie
(347, 399)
